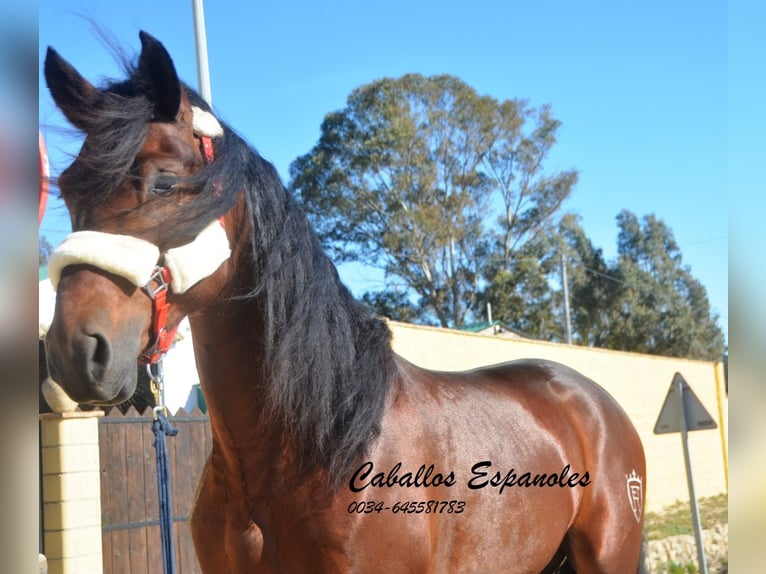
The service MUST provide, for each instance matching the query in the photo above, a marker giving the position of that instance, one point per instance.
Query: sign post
(682, 412)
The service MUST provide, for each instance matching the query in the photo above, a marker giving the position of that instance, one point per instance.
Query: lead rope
(161, 427)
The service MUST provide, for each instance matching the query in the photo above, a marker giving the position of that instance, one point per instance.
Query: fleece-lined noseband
(136, 259)
(141, 262)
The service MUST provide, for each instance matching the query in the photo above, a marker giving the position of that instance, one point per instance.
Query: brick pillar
(71, 491)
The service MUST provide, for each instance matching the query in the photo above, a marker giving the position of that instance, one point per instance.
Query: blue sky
(640, 88)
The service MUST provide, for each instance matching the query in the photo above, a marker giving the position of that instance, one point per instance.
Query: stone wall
(682, 550)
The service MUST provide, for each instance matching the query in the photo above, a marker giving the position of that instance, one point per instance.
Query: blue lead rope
(161, 427)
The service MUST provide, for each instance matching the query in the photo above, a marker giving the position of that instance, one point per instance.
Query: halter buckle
(160, 275)
(163, 337)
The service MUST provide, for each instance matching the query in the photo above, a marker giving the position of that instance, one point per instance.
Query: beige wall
(71, 486)
(638, 382)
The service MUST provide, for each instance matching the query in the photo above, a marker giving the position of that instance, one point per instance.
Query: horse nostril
(98, 354)
(103, 352)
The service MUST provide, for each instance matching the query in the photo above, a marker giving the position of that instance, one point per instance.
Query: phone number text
(420, 507)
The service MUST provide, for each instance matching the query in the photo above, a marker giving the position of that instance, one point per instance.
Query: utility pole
(200, 43)
(565, 284)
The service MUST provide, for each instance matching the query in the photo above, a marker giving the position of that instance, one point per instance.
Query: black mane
(328, 359)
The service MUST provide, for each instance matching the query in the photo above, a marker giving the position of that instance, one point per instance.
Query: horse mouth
(99, 395)
(99, 387)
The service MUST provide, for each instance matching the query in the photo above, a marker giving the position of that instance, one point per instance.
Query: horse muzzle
(91, 370)
(102, 281)
(94, 338)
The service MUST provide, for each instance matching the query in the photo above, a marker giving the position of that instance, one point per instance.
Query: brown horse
(330, 453)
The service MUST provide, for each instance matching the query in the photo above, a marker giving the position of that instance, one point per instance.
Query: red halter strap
(206, 143)
(163, 338)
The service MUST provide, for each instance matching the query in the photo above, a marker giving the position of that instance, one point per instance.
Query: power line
(605, 276)
(710, 240)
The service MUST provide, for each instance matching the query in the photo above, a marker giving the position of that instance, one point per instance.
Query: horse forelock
(116, 130)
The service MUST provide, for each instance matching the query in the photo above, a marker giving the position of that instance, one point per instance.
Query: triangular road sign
(697, 417)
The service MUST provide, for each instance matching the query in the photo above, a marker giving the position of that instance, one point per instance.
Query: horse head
(145, 219)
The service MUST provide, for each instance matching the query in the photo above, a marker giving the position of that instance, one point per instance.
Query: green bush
(675, 568)
(676, 518)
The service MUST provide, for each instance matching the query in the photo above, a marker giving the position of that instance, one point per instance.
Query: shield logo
(635, 494)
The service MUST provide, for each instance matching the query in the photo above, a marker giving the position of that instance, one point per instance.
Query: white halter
(135, 259)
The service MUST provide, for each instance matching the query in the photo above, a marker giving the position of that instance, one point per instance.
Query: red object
(207, 148)
(42, 199)
(163, 338)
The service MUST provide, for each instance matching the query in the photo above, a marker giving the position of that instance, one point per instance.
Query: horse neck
(230, 347)
(282, 351)
(248, 439)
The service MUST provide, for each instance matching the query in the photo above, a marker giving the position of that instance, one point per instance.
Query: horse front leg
(226, 540)
(207, 522)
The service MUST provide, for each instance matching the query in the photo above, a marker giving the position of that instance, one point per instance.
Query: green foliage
(590, 287)
(45, 249)
(674, 568)
(520, 292)
(446, 190)
(648, 299)
(404, 177)
(676, 518)
(660, 307)
(394, 305)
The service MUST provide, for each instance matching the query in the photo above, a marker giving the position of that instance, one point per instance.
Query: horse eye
(163, 184)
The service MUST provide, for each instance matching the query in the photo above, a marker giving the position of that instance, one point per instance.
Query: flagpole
(200, 43)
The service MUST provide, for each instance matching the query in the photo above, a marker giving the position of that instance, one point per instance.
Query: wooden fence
(129, 511)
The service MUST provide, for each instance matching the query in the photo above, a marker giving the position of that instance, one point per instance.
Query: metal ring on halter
(155, 371)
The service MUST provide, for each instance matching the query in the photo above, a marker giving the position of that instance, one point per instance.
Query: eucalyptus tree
(658, 306)
(438, 185)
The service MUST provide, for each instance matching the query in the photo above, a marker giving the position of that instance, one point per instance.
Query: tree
(520, 290)
(591, 289)
(45, 249)
(394, 305)
(658, 307)
(404, 178)
(645, 300)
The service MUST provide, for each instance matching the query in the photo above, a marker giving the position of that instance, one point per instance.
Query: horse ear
(72, 93)
(156, 68)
